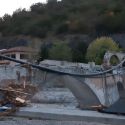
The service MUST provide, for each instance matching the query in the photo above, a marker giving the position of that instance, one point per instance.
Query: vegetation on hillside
(64, 50)
(60, 51)
(66, 17)
(98, 47)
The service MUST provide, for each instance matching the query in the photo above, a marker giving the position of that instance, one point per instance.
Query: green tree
(79, 48)
(60, 51)
(98, 47)
(44, 51)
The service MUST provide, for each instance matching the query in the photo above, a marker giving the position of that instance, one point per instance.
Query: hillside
(94, 17)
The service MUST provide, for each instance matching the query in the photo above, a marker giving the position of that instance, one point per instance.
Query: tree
(38, 8)
(98, 47)
(94, 17)
(60, 51)
(79, 48)
(44, 51)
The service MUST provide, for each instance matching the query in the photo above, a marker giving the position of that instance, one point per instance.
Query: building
(19, 53)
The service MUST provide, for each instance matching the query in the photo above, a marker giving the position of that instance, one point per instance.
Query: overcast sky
(8, 6)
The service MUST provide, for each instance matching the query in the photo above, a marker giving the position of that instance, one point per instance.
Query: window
(13, 56)
(23, 56)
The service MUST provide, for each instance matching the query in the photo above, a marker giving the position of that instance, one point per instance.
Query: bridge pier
(85, 96)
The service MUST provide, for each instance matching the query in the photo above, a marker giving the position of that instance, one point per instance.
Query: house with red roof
(20, 53)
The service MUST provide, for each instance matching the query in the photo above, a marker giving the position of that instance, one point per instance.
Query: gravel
(55, 95)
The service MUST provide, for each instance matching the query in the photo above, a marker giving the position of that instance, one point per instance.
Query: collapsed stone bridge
(89, 89)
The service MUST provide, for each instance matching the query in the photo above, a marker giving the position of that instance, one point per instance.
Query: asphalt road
(23, 121)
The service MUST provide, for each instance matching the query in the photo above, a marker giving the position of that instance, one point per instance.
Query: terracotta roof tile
(18, 49)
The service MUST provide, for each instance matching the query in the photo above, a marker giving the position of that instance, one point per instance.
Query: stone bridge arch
(109, 54)
(84, 95)
(88, 91)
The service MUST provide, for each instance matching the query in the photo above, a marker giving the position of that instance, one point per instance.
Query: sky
(8, 6)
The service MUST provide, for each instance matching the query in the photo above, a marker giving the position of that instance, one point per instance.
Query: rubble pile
(14, 96)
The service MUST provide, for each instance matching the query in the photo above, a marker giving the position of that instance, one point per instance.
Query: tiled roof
(18, 49)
